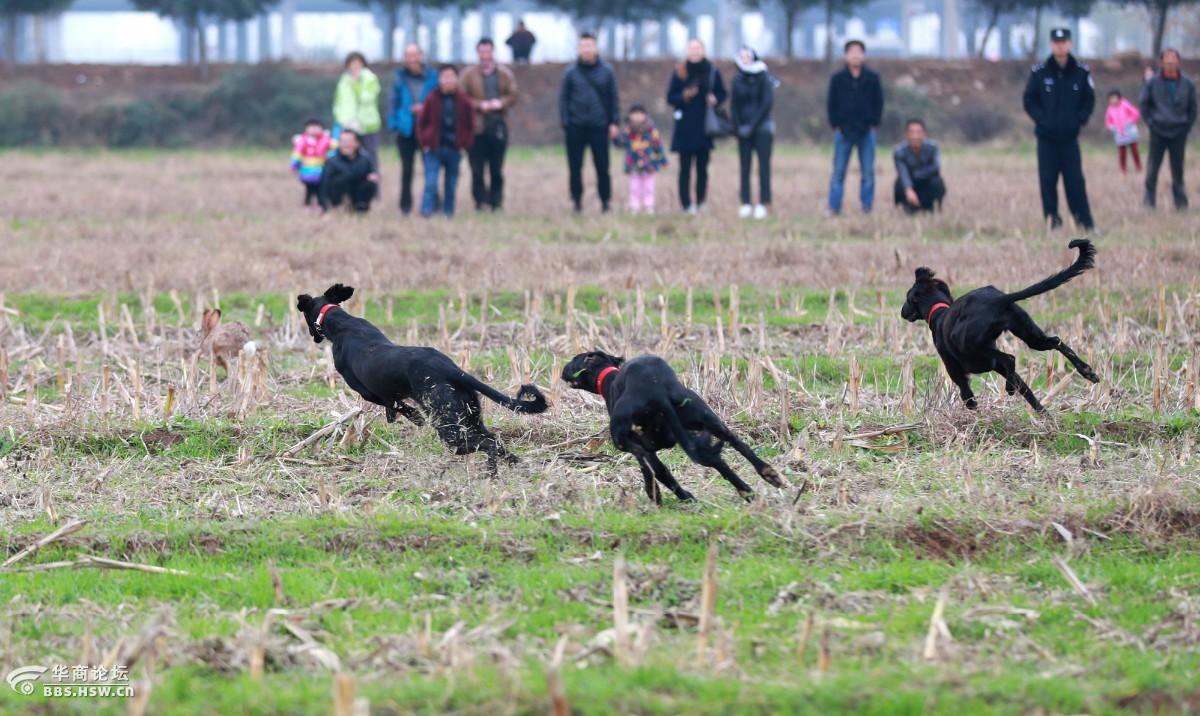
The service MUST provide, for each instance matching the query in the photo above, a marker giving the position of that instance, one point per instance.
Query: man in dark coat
(1060, 97)
(919, 185)
(589, 110)
(1168, 105)
(351, 174)
(855, 107)
(695, 86)
(521, 43)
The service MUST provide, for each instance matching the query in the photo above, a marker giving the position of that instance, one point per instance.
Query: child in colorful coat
(309, 151)
(1121, 119)
(644, 156)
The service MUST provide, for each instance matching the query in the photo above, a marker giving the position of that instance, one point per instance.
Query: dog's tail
(1086, 260)
(701, 452)
(529, 399)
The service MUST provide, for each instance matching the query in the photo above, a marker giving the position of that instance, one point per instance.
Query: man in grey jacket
(589, 111)
(1168, 105)
(919, 185)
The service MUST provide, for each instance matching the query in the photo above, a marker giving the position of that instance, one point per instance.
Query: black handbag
(717, 123)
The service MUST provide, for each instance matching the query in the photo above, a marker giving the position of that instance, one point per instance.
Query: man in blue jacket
(414, 80)
(855, 107)
(1059, 98)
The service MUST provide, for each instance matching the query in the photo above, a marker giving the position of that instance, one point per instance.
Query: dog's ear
(924, 273)
(618, 360)
(304, 302)
(337, 293)
(942, 286)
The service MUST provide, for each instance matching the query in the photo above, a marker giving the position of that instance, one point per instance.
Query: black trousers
(580, 139)
(487, 170)
(359, 192)
(1174, 146)
(686, 159)
(312, 194)
(1061, 157)
(408, 161)
(930, 193)
(760, 143)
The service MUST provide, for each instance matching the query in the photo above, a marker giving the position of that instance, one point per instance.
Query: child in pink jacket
(1121, 119)
(309, 151)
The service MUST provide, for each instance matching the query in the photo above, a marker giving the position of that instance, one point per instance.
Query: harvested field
(923, 558)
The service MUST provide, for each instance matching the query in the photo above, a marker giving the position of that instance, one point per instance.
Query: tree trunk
(1036, 46)
(10, 40)
(1160, 25)
(828, 33)
(390, 21)
(201, 48)
(993, 18)
(789, 22)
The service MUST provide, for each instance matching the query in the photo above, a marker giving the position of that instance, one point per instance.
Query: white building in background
(112, 31)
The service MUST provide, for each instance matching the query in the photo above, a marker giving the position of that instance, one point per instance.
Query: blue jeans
(435, 160)
(842, 147)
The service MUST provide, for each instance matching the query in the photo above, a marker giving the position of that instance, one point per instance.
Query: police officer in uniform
(1060, 98)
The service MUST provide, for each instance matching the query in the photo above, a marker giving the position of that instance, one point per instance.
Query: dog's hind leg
(666, 478)
(1023, 327)
(1006, 366)
(700, 413)
(727, 472)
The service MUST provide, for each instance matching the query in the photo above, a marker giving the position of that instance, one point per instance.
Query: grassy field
(922, 559)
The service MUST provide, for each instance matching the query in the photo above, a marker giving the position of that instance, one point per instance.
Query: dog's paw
(685, 496)
(771, 475)
(748, 495)
(971, 403)
(1010, 389)
(1090, 374)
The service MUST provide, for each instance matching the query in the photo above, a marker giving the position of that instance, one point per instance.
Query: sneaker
(691, 210)
(760, 211)
(1148, 200)
(578, 207)
(745, 211)
(650, 211)
(829, 212)
(635, 210)
(1055, 221)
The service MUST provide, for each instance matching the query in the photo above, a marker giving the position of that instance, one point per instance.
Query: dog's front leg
(963, 381)
(413, 415)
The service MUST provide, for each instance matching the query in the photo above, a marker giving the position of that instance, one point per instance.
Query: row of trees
(193, 14)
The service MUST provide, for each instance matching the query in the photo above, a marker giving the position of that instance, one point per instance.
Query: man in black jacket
(1060, 97)
(350, 173)
(1168, 105)
(589, 110)
(855, 107)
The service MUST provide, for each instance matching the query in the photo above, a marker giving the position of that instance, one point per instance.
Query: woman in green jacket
(356, 102)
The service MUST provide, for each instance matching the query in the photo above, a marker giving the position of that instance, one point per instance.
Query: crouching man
(350, 175)
(919, 185)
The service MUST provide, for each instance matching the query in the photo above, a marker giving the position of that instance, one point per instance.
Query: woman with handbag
(696, 92)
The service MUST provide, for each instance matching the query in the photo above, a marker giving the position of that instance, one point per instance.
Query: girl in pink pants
(644, 156)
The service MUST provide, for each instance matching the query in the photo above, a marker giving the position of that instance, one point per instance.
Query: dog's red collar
(324, 309)
(600, 378)
(936, 307)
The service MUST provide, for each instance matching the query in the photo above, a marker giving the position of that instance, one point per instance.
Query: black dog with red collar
(965, 330)
(650, 410)
(387, 374)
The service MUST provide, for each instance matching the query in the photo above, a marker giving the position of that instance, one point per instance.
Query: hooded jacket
(356, 102)
(1059, 98)
(752, 97)
(429, 124)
